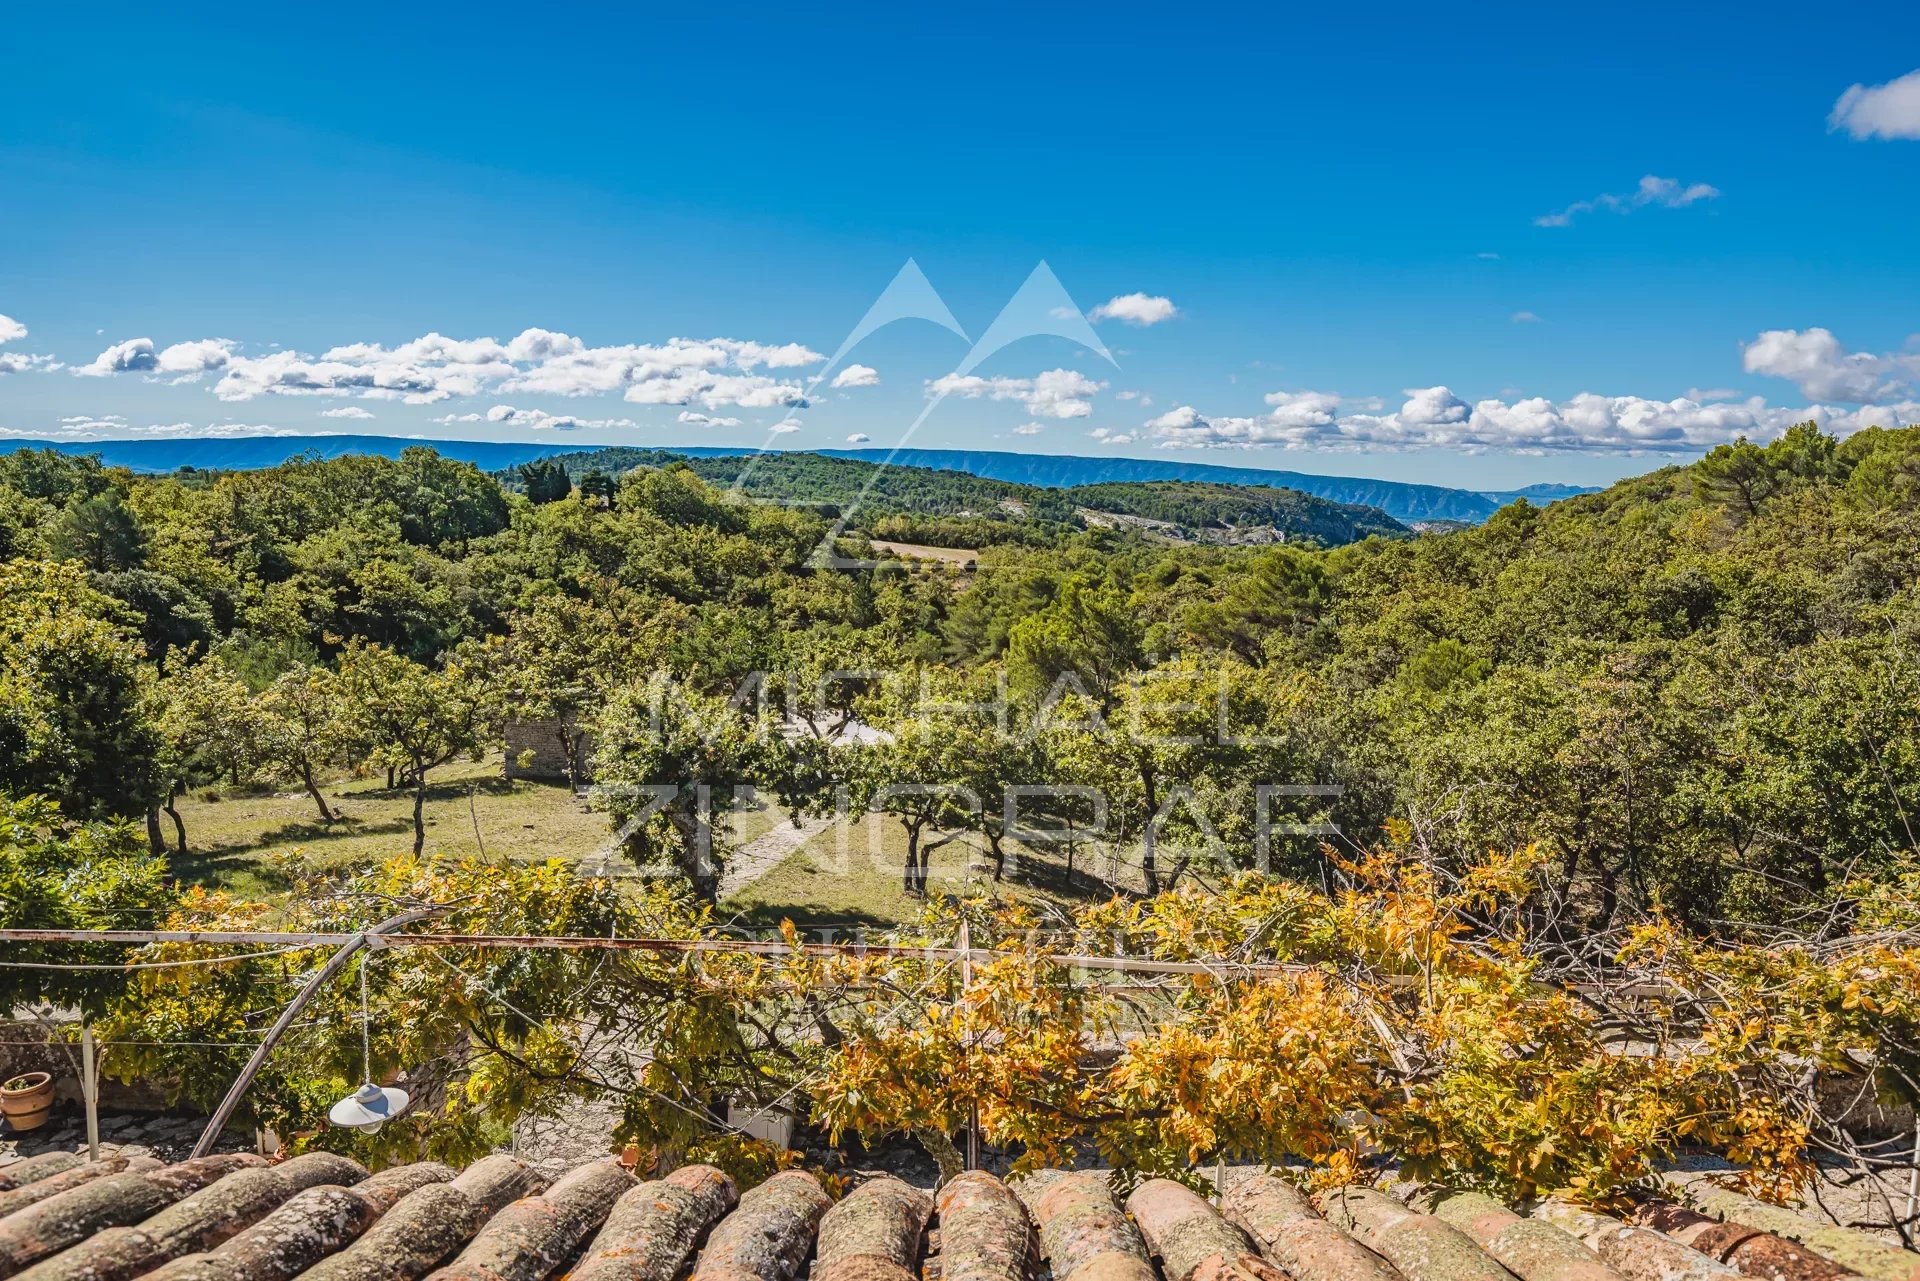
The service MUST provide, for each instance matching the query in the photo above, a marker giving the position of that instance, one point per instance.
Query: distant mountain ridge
(1401, 500)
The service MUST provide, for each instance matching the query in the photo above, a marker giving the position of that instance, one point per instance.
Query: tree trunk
(390, 780)
(910, 877)
(327, 815)
(1284, 1224)
(985, 1234)
(1084, 1233)
(419, 810)
(1640, 1254)
(531, 1238)
(199, 1223)
(1531, 1249)
(1191, 1240)
(41, 1231)
(1150, 784)
(873, 1234)
(179, 828)
(655, 1228)
(1422, 1247)
(945, 1156)
(155, 841)
(771, 1233)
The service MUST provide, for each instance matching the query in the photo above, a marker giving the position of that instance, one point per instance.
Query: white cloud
(1028, 429)
(1434, 417)
(1891, 110)
(785, 426)
(19, 362)
(712, 372)
(706, 420)
(857, 376)
(136, 355)
(1665, 193)
(1057, 393)
(1525, 318)
(1135, 309)
(1824, 370)
(1107, 436)
(859, 438)
(345, 411)
(11, 329)
(115, 427)
(537, 419)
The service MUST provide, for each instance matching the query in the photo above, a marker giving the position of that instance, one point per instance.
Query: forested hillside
(1668, 731)
(1698, 688)
(956, 509)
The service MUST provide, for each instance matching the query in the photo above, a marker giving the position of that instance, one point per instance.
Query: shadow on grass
(451, 789)
(240, 870)
(811, 919)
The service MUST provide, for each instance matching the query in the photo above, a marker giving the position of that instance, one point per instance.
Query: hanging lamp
(371, 1106)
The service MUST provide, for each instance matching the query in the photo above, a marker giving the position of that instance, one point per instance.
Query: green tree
(100, 532)
(410, 715)
(545, 481)
(77, 712)
(304, 724)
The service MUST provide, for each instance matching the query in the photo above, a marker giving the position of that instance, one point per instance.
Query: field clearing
(920, 551)
(847, 877)
(257, 843)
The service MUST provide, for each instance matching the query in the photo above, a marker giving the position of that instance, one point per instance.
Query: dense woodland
(1687, 705)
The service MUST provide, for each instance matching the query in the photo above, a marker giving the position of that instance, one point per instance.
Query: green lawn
(256, 843)
(846, 878)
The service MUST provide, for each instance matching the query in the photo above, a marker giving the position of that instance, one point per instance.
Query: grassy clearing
(848, 877)
(921, 551)
(257, 843)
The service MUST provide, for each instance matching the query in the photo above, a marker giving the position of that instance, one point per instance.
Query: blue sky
(1341, 209)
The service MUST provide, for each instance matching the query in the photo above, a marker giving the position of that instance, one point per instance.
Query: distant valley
(1401, 500)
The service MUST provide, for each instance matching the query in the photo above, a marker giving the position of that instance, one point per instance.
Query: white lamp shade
(368, 1108)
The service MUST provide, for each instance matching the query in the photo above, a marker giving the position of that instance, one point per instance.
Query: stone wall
(534, 751)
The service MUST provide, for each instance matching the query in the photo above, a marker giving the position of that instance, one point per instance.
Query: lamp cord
(366, 1035)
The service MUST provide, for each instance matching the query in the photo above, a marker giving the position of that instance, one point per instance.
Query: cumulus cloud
(1135, 309)
(10, 329)
(537, 419)
(859, 438)
(857, 376)
(1825, 370)
(1028, 429)
(1434, 417)
(706, 420)
(785, 426)
(1891, 110)
(713, 372)
(345, 411)
(1108, 436)
(1664, 193)
(1057, 393)
(116, 427)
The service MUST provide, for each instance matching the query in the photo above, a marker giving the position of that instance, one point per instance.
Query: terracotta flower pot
(25, 1100)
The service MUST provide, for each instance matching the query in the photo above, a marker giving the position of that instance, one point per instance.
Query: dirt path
(758, 857)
